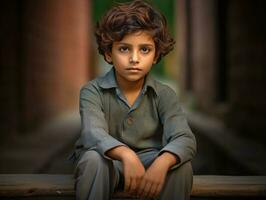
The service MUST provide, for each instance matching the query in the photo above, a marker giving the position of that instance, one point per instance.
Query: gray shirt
(155, 120)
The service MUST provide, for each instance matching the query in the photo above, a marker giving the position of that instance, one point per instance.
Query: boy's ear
(108, 57)
(155, 59)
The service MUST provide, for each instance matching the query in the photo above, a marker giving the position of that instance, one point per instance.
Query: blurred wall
(221, 49)
(247, 72)
(44, 57)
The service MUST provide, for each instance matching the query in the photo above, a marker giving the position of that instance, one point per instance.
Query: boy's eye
(123, 49)
(145, 50)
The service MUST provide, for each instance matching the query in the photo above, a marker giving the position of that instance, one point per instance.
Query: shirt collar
(150, 82)
(108, 81)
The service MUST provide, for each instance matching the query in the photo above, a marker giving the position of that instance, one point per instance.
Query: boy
(134, 135)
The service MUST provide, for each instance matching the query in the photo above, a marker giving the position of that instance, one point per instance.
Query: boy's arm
(178, 138)
(94, 128)
(179, 144)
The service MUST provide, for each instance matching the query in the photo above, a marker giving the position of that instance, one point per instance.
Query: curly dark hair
(131, 17)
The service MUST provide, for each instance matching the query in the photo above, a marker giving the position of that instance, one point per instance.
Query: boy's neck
(129, 86)
(130, 89)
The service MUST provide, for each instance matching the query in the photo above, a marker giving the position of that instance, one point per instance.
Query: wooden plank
(28, 185)
(36, 185)
(229, 186)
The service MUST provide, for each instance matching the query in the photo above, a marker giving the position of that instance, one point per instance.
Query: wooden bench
(15, 186)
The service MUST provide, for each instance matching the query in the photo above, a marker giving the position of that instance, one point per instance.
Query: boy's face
(133, 56)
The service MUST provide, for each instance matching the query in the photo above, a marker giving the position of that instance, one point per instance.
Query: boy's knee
(90, 161)
(91, 157)
(185, 169)
(179, 183)
(183, 174)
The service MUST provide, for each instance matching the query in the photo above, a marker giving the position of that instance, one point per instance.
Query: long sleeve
(94, 128)
(177, 136)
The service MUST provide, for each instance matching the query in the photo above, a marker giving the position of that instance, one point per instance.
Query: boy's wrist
(127, 153)
(169, 159)
(119, 153)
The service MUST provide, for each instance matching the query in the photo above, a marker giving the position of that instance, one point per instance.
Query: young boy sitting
(134, 135)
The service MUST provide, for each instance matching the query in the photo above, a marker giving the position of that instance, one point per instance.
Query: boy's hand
(154, 178)
(132, 166)
(133, 172)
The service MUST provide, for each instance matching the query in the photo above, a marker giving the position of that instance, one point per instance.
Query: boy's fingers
(146, 191)
(141, 187)
(127, 184)
(153, 190)
(132, 187)
(158, 190)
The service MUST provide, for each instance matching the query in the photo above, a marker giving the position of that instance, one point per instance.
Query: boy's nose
(134, 58)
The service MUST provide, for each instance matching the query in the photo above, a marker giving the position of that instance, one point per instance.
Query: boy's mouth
(133, 69)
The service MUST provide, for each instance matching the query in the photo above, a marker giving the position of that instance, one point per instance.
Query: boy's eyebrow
(143, 44)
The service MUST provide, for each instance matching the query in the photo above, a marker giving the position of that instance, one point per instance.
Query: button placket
(129, 120)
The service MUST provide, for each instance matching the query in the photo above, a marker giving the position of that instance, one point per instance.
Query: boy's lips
(133, 69)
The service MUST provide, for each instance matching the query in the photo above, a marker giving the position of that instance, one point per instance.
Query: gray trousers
(97, 177)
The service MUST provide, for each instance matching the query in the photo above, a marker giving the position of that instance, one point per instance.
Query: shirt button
(130, 120)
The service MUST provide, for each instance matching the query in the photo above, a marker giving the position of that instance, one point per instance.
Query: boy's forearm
(119, 152)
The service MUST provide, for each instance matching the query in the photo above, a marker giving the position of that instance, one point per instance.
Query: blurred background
(218, 69)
